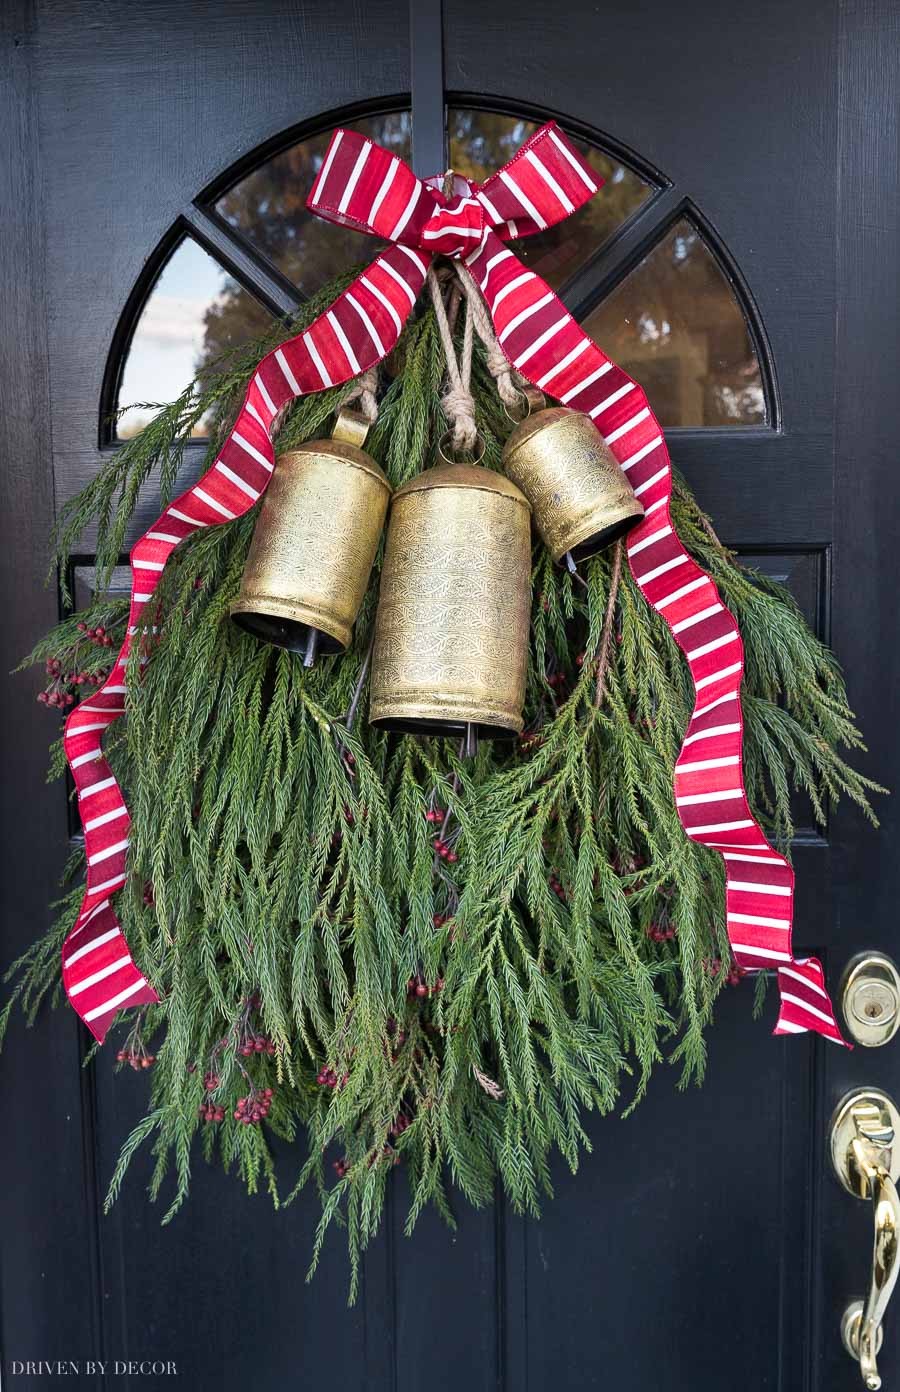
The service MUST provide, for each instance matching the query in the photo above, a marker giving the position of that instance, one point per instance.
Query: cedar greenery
(578, 937)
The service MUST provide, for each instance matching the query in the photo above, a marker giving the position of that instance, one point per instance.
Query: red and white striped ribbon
(364, 186)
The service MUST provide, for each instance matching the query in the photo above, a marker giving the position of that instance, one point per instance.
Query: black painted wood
(864, 609)
(426, 51)
(702, 1244)
(50, 1254)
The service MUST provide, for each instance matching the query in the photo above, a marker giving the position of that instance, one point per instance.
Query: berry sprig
(247, 1039)
(253, 1108)
(61, 690)
(327, 1077)
(97, 635)
(419, 987)
(557, 887)
(134, 1051)
(733, 976)
(444, 848)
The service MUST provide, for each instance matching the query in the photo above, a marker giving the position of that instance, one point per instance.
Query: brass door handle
(865, 1152)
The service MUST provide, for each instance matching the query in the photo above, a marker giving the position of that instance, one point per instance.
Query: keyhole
(873, 1010)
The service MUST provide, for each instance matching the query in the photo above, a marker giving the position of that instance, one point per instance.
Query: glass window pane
(482, 141)
(675, 325)
(195, 312)
(269, 207)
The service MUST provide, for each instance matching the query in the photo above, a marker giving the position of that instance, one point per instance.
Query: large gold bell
(451, 633)
(314, 544)
(581, 499)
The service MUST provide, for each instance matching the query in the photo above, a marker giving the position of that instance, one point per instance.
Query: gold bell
(314, 543)
(581, 499)
(451, 632)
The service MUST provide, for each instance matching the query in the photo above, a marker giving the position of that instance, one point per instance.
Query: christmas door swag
(472, 654)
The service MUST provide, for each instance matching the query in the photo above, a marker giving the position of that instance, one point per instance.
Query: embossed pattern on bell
(451, 633)
(580, 497)
(313, 546)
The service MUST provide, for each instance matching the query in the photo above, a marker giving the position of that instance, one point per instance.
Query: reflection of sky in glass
(168, 341)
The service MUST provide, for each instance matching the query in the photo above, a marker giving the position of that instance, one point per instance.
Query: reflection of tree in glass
(675, 324)
(269, 207)
(230, 320)
(482, 141)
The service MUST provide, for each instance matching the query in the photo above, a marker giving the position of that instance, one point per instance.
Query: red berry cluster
(97, 635)
(341, 1166)
(57, 693)
(445, 850)
(436, 815)
(256, 1044)
(733, 976)
(149, 900)
(399, 1124)
(418, 986)
(529, 740)
(253, 1108)
(557, 887)
(327, 1077)
(247, 1039)
(660, 932)
(136, 1055)
(557, 681)
(387, 1152)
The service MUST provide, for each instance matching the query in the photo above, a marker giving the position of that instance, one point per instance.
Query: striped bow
(364, 186)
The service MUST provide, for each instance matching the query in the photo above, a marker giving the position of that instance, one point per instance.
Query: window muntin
(674, 321)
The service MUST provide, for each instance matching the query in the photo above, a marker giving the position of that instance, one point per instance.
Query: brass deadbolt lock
(870, 999)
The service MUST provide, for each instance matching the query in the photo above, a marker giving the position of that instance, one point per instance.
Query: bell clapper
(471, 741)
(574, 571)
(315, 541)
(360, 683)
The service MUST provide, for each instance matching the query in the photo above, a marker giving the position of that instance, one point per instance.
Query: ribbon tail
(802, 988)
(359, 330)
(544, 343)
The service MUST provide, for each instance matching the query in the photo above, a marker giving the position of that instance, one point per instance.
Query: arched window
(637, 266)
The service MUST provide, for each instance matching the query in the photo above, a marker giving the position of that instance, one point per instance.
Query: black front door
(742, 264)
